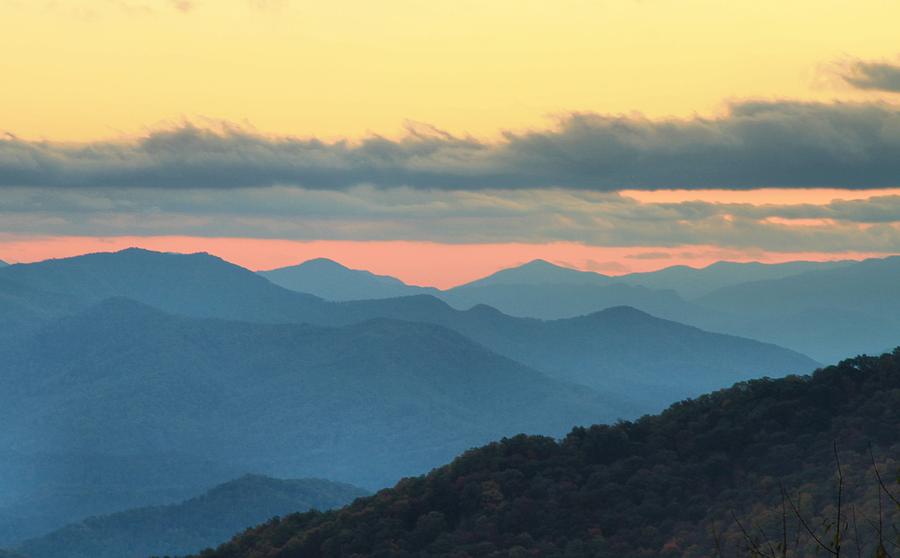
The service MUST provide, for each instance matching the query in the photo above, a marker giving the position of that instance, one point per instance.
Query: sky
(437, 141)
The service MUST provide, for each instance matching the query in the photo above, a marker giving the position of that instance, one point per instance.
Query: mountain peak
(538, 263)
(332, 280)
(324, 263)
(539, 271)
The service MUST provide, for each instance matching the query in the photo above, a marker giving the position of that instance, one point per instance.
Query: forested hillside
(701, 479)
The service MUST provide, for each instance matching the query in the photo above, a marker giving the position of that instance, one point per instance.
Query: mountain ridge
(331, 280)
(191, 525)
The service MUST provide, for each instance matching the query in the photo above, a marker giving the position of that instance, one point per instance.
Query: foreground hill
(332, 281)
(189, 526)
(665, 485)
(616, 351)
(94, 402)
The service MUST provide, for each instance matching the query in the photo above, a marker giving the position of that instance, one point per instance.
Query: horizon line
(420, 263)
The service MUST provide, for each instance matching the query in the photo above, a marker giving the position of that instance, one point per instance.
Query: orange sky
(418, 263)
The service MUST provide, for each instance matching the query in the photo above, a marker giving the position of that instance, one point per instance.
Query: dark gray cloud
(758, 144)
(369, 213)
(879, 76)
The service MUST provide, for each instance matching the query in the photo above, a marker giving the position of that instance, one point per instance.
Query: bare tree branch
(808, 529)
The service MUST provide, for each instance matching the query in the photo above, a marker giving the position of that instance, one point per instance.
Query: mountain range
(618, 350)
(140, 378)
(131, 385)
(201, 522)
(852, 309)
(691, 283)
(823, 309)
(743, 471)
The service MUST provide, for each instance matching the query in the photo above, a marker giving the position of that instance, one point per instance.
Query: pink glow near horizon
(759, 196)
(417, 263)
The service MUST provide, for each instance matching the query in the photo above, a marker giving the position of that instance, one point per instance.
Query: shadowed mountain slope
(667, 485)
(193, 525)
(619, 350)
(366, 403)
(42, 491)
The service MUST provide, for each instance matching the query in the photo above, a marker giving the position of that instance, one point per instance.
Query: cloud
(755, 144)
(878, 76)
(530, 216)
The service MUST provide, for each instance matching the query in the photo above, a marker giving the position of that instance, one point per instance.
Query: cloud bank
(755, 144)
(878, 76)
(528, 216)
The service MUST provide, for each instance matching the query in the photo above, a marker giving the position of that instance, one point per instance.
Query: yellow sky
(89, 69)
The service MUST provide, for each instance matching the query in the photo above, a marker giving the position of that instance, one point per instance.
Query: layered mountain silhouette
(195, 285)
(366, 403)
(616, 351)
(204, 521)
(691, 283)
(332, 281)
(711, 477)
(139, 378)
(540, 289)
(852, 308)
(552, 301)
(823, 309)
(123, 377)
